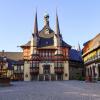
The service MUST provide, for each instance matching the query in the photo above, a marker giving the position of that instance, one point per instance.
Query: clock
(47, 31)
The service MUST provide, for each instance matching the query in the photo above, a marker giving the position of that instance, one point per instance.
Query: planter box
(4, 81)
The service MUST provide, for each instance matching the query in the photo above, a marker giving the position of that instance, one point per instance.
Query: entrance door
(46, 71)
(47, 77)
(34, 77)
(59, 77)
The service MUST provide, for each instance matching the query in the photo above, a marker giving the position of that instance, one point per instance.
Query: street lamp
(3, 67)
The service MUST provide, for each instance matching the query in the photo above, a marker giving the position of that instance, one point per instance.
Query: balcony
(34, 70)
(48, 55)
(18, 71)
(59, 70)
(92, 59)
(60, 58)
(50, 58)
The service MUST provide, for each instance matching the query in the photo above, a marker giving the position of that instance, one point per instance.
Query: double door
(46, 72)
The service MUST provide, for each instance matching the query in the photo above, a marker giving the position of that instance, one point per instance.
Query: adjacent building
(91, 56)
(12, 65)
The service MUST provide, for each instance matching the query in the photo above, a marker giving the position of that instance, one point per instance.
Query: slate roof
(97, 38)
(16, 56)
(27, 44)
(75, 55)
(86, 43)
(64, 44)
(50, 41)
(43, 42)
(42, 32)
(13, 58)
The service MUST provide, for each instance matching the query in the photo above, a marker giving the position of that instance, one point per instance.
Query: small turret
(78, 48)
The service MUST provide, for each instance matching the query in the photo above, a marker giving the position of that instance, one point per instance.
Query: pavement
(51, 90)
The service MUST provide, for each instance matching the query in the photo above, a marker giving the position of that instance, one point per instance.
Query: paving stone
(56, 90)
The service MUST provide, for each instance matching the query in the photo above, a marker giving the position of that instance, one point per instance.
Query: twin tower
(47, 27)
(46, 55)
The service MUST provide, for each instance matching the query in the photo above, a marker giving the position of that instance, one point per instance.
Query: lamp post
(3, 67)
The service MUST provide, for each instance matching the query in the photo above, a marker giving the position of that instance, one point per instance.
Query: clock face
(47, 31)
(43, 42)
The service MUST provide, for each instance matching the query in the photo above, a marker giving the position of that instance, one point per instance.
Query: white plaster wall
(32, 45)
(55, 40)
(27, 71)
(52, 68)
(66, 71)
(8, 73)
(5, 66)
(22, 67)
(40, 68)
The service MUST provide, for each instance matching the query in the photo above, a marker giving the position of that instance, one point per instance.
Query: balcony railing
(50, 58)
(59, 70)
(95, 58)
(34, 70)
(18, 71)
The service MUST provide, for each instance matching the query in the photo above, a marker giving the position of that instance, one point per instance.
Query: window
(22, 68)
(15, 67)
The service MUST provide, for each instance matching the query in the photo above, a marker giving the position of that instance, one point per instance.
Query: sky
(79, 20)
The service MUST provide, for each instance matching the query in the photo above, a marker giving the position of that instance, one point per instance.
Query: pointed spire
(59, 36)
(36, 24)
(57, 24)
(79, 48)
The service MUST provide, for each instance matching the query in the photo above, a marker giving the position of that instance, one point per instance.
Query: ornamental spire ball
(46, 19)
(46, 15)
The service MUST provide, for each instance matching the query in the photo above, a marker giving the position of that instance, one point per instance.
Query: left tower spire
(35, 24)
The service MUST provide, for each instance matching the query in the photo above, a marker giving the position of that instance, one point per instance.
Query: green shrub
(79, 77)
(98, 78)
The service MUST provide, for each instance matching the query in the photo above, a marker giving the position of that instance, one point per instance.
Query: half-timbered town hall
(46, 56)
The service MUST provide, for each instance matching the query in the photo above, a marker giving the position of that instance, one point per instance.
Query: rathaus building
(46, 56)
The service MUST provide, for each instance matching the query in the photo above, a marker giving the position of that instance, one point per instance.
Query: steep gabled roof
(64, 44)
(42, 32)
(96, 37)
(75, 55)
(27, 44)
(13, 58)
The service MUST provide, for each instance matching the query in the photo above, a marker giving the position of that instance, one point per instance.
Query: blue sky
(79, 20)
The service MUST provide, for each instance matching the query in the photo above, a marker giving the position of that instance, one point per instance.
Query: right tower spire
(57, 25)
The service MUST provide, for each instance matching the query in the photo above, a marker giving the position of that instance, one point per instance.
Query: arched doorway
(46, 72)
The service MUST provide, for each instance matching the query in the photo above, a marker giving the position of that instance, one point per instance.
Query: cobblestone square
(51, 90)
